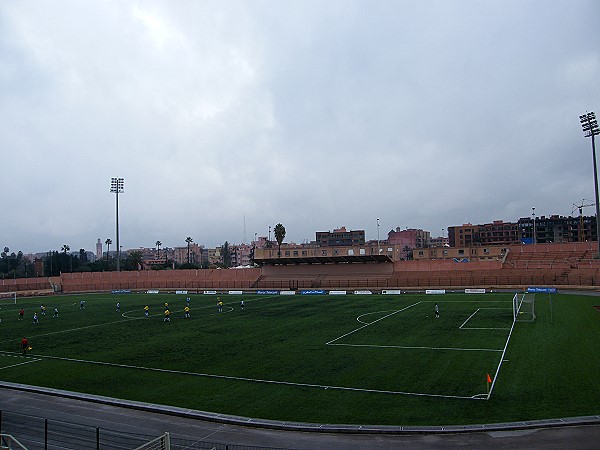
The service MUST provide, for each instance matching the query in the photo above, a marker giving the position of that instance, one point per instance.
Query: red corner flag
(489, 379)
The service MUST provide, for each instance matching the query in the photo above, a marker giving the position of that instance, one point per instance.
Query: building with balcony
(495, 233)
(340, 236)
(557, 229)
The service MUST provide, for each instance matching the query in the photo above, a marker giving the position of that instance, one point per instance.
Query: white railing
(9, 442)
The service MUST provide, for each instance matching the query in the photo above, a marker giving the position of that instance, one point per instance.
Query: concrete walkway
(125, 416)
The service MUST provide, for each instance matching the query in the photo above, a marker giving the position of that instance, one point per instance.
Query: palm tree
(189, 240)
(134, 260)
(279, 236)
(65, 248)
(107, 242)
(158, 244)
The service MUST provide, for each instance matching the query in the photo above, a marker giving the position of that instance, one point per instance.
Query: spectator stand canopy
(337, 259)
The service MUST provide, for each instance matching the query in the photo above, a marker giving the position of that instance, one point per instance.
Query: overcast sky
(225, 117)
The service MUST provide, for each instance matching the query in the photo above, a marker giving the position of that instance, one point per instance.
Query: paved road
(152, 423)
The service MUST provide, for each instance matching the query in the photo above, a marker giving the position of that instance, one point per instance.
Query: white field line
(462, 327)
(126, 319)
(469, 318)
(258, 380)
(422, 348)
(367, 314)
(22, 363)
(226, 309)
(200, 308)
(371, 323)
(81, 328)
(488, 328)
(501, 360)
(465, 301)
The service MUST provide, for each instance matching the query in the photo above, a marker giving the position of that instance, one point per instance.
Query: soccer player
(242, 305)
(21, 313)
(55, 316)
(35, 318)
(118, 306)
(146, 309)
(24, 345)
(167, 316)
(43, 309)
(166, 306)
(187, 301)
(220, 304)
(186, 310)
(437, 311)
(82, 304)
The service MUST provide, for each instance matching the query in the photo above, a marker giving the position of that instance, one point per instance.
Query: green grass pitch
(359, 359)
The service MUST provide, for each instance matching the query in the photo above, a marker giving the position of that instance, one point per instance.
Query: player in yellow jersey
(167, 316)
(146, 309)
(186, 310)
(220, 305)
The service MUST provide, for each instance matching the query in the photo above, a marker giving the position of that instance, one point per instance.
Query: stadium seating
(567, 264)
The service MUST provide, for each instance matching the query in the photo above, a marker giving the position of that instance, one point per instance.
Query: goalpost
(160, 443)
(524, 307)
(8, 297)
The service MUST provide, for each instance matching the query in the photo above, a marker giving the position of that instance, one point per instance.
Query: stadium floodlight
(590, 129)
(378, 250)
(116, 187)
(533, 216)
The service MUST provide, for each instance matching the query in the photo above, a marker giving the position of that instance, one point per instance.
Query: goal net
(524, 307)
(160, 443)
(8, 297)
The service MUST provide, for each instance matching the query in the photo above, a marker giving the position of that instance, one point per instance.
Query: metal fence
(49, 434)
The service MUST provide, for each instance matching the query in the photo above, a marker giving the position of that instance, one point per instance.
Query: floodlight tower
(116, 187)
(590, 129)
(533, 215)
(378, 249)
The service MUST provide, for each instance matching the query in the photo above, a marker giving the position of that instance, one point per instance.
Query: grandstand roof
(287, 260)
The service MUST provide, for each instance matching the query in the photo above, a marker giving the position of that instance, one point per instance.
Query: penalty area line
(22, 363)
(258, 380)
(422, 348)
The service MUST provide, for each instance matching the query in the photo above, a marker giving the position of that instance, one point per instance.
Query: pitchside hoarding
(545, 290)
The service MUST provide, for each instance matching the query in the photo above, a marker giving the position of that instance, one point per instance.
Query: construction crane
(581, 234)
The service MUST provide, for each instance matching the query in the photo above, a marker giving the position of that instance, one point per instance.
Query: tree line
(15, 265)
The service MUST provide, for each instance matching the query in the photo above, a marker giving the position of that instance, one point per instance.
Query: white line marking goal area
(449, 355)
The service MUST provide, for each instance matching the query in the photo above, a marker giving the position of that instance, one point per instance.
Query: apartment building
(495, 233)
(340, 236)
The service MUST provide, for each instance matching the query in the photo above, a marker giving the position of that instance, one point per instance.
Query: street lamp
(116, 187)
(590, 129)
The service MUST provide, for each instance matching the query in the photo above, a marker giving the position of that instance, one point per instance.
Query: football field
(383, 359)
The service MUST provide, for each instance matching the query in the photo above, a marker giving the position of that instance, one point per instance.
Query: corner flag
(489, 379)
